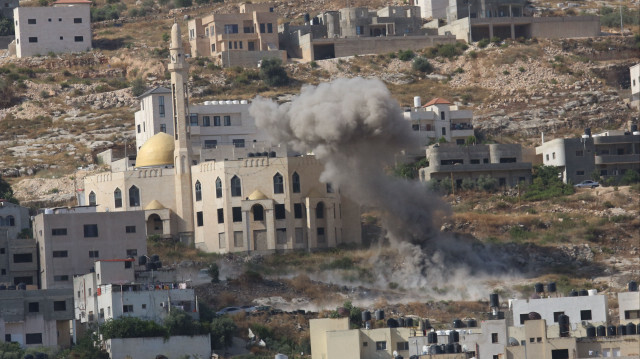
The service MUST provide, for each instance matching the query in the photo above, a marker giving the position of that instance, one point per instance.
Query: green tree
(214, 272)
(6, 27)
(6, 192)
(355, 313)
(138, 86)
(87, 348)
(423, 65)
(131, 327)
(406, 55)
(180, 323)
(630, 177)
(222, 330)
(7, 94)
(547, 184)
(272, 72)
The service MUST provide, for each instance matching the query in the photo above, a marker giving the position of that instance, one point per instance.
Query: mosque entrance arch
(154, 225)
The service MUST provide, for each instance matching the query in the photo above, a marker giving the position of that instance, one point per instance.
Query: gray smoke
(357, 129)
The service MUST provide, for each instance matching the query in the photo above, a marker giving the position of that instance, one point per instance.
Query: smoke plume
(357, 130)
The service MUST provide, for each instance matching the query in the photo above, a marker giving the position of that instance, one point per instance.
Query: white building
(111, 292)
(629, 306)
(72, 240)
(440, 119)
(434, 9)
(635, 85)
(590, 308)
(211, 124)
(63, 27)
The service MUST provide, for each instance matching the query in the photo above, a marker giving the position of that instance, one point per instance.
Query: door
(260, 240)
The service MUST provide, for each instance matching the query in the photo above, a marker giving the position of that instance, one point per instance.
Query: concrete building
(63, 27)
(111, 292)
(440, 119)
(433, 9)
(228, 197)
(18, 254)
(512, 27)
(6, 8)
(460, 9)
(608, 155)
(35, 318)
(211, 124)
(455, 163)
(580, 309)
(635, 85)
(629, 305)
(241, 39)
(197, 346)
(359, 31)
(71, 240)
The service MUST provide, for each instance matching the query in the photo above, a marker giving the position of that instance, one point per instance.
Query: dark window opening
(23, 258)
(585, 315)
(295, 182)
(33, 338)
(280, 212)
(258, 213)
(560, 354)
(237, 214)
(59, 232)
(557, 315)
(34, 307)
(494, 337)
(200, 219)
(220, 215)
(130, 229)
(59, 306)
(507, 160)
(297, 210)
(90, 230)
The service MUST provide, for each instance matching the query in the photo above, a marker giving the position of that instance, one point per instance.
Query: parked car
(230, 310)
(587, 184)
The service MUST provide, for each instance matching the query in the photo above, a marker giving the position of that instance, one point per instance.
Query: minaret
(182, 154)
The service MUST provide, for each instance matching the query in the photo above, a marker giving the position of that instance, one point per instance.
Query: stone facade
(18, 256)
(64, 27)
(634, 72)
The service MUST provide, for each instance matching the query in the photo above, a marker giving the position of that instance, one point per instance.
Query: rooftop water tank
(633, 286)
(417, 101)
(244, 102)
(592, 292)
(551, 287)
(236, 102)
(539, 287)
(601, 330)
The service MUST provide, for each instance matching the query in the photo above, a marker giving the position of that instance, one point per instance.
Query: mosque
(229, 198)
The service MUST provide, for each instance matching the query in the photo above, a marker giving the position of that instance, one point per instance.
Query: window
(2, 250)
(502, 181)
(557, 315)
(278, 184)
(161, 106)
(220, 215)
(222, 243)
(132, 252)
(60, 278)
(77, 20)
(365, 344)
(603, 172)
(258, 212)
(163, 128)
(579, 173)
(33, 338)
(402, 346)
(23, 258)
(130, 229)
(631, 314)
(236, 187)
(78, 38)
(117, 198)
(494, 337)
(240, 44)
(297, 210)
(442, 117)
(127, 308)
(460, 141)
(270, 28)
(3, 271)
(281, 236)
(381, 345)
(94, 254)
(262, 28)
(198, 191)
(547, 156)
(295, 182)
(139, 129)
(444, 131)
(25, 280)
(193, 119)
(560, 354)
(524, 318)
(237, 214)
(227, 120)
(231, 29)
(579, 153)
(60, 254)
(238, 143)
(59, 232)
(90, 230)
(279, 211)
(532, 340)
(320, 210)
(218, 188)
(210, 143)
(329, 187)
(237, 239)
(34, 307)
(216, 120)
(31, 21)
(485, 160)
(134, 196)
(553, 155)
(92, 198)
(585, 315)
(507, 160)
(206, 121)
(475, 162)
(200, 219)
(101, 314)
(539, 339)
(59, 306)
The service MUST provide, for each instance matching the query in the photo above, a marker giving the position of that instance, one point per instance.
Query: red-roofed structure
(437, 101)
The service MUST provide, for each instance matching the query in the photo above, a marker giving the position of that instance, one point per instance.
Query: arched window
(236, 187)
(198, 191)
(320, 210)
(1, 222)
(10, 221)
(218, 188)
(92, 198)
(278, 184)
(117, 198)
(134, 196)
(258, 212)
(295, 182)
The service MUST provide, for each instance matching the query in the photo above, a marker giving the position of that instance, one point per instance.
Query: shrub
(7, 95)
(505, 72)
(180, 323)
(406, 55)
(546, 184)
(132, 327)
(487, 183)
(222, 331)
(138, 86)
(313, 64)
(468, 184)
(630, 177)
(214, 272)
(483, 43)
(423, 65)
(6, 27)
(272, 72)
(496, 40)
(521, 69)
(182, 3)
(472, 54)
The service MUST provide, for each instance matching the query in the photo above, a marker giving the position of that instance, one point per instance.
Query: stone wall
(249, 58)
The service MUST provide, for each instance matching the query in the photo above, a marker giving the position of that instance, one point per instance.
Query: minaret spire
(179, 70)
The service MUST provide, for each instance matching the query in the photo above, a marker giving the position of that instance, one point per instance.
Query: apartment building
(241, 39)
(587, 308)
(455, 163)
(608, 155)
(629, 305)
(111, 292)
(439, 119)
(71, 240)
(7, 6)
(634, 72)
(63, 27)
(35, 318)
(18, 254)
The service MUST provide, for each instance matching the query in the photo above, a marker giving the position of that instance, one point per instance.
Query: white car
(587, 184)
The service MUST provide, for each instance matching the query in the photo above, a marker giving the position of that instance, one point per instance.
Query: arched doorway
(154, 225)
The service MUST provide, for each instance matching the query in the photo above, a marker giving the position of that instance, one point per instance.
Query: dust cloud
(357, 130)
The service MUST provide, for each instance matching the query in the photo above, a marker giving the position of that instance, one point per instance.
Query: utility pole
(621, 27)
(469, 16)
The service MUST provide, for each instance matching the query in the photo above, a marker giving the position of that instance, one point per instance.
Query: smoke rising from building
(356, 129)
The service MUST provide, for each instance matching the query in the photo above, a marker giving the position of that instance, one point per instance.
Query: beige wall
(629, 304)
(318, 329)
(197, 346)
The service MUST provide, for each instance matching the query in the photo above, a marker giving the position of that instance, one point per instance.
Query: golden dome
(257, 195)
(157, 151)
(153, 205)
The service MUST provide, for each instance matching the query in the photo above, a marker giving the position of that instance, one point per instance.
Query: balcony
(617, 159)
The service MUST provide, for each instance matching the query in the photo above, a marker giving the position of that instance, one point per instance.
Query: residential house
(629, 305)
(433, 9)
(440, 120)
(241, 39)
(63, 27)
(634, 72)
(581, 309)
(18, 254)
(7, 6)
